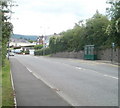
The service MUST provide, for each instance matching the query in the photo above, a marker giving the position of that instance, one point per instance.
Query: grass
(7, 91)
(0, 86)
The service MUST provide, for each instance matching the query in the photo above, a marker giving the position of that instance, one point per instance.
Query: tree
(95, 30)
(113, 28)
(7, 27)
(92, 32)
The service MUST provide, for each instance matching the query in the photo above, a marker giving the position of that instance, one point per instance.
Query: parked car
(11, 54)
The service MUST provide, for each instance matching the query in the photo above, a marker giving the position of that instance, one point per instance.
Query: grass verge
(7, 90)
(0, 86)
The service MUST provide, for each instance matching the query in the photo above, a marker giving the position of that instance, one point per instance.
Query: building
(40, 40)
(21, 45)
(43, 40)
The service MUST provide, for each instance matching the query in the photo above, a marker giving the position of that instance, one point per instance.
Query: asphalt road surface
(47, 81)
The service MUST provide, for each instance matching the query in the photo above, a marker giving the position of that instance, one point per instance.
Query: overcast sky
(37, 17)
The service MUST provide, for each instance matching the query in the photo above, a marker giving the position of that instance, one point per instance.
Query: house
(21, 45)
(40, 40)
(43, 40)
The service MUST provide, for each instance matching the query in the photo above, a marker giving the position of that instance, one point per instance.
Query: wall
(102, 54)
(109, 54)
(79, 54)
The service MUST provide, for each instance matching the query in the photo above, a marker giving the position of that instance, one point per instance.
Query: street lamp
(44, 38)
(112, 52)
(11, 5)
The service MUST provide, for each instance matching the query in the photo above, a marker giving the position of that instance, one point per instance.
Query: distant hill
(26, 37)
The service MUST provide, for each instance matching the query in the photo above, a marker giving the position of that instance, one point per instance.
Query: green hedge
(37, 47)
(43, 51)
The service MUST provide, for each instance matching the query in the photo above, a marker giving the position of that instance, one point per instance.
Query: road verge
(7, 90)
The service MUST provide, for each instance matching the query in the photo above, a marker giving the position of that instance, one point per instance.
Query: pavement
(109, 62)
(97, 61)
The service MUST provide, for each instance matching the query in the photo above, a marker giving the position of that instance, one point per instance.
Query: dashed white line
(78, 68)
(35, 57)
(29, 70)
(99, 73)
(110, 76)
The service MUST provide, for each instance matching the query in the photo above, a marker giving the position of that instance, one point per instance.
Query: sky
(46, 17)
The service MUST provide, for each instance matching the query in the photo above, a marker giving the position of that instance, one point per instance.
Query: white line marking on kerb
(110, 76)
(29, 70)
(15, 100)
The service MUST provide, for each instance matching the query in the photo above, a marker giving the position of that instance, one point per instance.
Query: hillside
(26, 37)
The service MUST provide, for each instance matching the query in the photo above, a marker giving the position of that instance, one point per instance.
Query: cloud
(58, 15)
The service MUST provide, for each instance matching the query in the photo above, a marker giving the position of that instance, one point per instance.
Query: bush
(37, 47)
(43, 51)
(27, 52)
(38, 52)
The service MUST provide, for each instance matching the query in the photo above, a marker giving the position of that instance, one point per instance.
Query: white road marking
(110, 76)
(78, 68)
(35, 57)
(39, 77)
(15, 100)
(29, 70)
(48, 84)
(35, 75)
(98, 73)
(59, 92)
(67, 98)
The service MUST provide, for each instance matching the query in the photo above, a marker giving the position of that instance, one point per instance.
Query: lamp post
(44, 39)
(112, 52)
(43, 45)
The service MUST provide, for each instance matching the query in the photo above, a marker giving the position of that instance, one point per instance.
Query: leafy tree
(6, 25)
(52, 44)
(95, 30)
(113, 28)
(78, 34)
(92, 32)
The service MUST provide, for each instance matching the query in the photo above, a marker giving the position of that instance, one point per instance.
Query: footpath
(108, 62)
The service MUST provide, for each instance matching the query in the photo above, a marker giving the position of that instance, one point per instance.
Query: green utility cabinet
(90, 52)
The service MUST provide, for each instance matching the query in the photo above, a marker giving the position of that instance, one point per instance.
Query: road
(73, 81)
